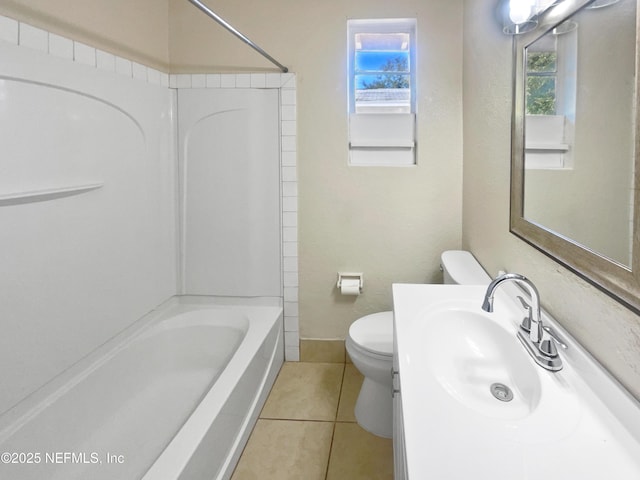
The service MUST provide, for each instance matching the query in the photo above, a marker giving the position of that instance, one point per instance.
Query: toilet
(370, 346)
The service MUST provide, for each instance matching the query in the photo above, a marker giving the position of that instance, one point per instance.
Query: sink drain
(501, 392)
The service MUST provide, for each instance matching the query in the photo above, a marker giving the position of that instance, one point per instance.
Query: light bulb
(520, 10)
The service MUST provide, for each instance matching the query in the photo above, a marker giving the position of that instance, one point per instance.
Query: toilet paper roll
(350, 286)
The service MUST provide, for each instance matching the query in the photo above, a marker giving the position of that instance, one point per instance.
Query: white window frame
(550, 138)
(379, 138)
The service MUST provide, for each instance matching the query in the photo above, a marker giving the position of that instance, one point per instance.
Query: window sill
(547, 147)
(382, 144)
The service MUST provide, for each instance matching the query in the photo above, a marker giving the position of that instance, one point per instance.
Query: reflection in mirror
(574, 154)
(579, 127)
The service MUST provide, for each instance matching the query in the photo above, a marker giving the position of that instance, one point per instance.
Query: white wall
(78, 269)
(610, 332)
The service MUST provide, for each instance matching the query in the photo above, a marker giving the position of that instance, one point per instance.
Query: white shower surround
(18, 33)
(78, 268)
(286, 83)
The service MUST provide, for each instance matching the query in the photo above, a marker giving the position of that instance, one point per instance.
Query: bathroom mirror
(574, 142)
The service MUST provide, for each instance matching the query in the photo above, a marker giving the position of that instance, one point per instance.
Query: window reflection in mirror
(579, 130)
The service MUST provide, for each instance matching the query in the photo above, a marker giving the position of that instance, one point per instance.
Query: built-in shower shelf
(18, 198)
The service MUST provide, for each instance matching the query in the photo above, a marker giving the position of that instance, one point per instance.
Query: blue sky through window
(381, 79)
(374, 61)
(374, 51)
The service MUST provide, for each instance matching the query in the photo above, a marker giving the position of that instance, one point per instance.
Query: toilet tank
(461, 267)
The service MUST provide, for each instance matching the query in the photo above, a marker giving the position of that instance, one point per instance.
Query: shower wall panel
(230, 177)
(87, 211)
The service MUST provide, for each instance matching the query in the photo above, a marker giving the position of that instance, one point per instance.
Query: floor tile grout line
(344, 369)
(333, 436)
(299, 420)
(335, 421)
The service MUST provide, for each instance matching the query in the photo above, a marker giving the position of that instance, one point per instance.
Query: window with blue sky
(382, 91)
(381, 66)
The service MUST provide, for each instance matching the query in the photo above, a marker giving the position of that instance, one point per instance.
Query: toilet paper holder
(350, 277)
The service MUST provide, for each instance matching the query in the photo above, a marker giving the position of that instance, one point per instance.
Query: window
(551, 100)
(382, 79)
(542, 68)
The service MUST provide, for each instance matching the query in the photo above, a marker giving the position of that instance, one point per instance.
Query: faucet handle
(555, 336)
(547, 346)
(526, 321)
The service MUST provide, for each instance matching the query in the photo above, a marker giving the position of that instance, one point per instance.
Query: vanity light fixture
(520, 11)
(517, 16)
(520, 16)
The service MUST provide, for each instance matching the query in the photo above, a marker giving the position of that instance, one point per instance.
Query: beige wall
(137, 30)
(389, 223)
(610, 332)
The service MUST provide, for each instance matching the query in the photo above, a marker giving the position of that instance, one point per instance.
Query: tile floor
(307, 430)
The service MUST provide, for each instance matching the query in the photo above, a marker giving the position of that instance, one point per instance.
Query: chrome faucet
(534, 320)
(532, 334)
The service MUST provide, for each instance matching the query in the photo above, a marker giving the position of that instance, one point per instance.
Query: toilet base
(374, 408)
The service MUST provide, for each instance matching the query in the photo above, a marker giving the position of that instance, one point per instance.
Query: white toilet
(370, 346)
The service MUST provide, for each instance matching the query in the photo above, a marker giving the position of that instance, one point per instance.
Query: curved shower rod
(226, 25)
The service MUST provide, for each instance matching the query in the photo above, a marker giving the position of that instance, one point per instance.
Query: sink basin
(468, 352)
(458, 364)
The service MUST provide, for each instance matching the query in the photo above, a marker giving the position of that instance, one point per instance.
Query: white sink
(450, 353)
(467, 352)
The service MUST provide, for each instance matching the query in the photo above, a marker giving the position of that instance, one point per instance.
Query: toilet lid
(374, 333)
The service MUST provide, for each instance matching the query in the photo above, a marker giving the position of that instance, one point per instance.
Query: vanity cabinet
(399, 458)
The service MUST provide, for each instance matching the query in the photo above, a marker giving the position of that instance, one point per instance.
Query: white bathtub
(174, 398)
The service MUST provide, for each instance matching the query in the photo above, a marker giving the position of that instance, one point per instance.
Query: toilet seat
(374, 334)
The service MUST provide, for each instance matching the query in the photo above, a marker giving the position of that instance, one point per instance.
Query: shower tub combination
(173, 397)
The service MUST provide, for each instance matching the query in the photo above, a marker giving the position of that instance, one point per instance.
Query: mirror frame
(618, 281)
